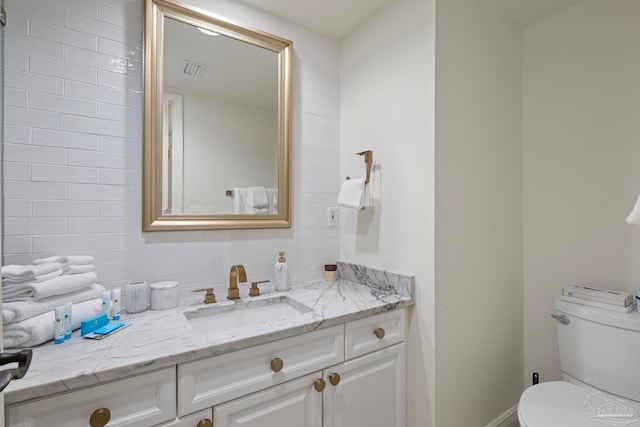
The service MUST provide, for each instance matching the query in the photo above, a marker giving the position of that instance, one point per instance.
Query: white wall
(73, 148)
(387, 105)
(226, 145)
(581, 170)
(478, 214)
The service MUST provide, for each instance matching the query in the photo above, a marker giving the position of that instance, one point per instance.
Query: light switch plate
(332, 217)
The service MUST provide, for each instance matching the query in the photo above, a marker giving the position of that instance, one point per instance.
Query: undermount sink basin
(241, 313)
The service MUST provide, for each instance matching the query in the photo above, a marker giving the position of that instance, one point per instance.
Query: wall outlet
(332, 217)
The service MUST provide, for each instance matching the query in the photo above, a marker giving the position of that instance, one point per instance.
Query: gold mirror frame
(153, 218)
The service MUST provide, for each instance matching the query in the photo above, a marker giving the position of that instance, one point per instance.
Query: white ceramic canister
(164, 295)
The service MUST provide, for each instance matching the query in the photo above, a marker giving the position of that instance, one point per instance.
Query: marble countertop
(158, 339)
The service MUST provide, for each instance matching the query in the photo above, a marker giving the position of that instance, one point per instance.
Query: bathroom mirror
(217, 122)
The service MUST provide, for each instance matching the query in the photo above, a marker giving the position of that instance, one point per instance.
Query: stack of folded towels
(30, 293)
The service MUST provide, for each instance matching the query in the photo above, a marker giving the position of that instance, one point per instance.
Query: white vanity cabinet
(365, 390)
(142, 400)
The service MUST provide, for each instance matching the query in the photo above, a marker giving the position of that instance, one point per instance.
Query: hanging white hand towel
(39, 329)
(352, 194)
(634, 216)
(240, 200)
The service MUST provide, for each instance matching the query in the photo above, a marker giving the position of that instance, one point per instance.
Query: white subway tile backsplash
(119, 49)
(52, 173)
(120, 176)
(17, 208)
(64, 208)
(16, 61)
(20, 80)
(31, 154)
(115, 112)
(65, 36)
(43, 101)
(61, 244)
(81, 131)
(34, 190)
(17, 171)
(33, 226)
(104, 160)
(15, 97)
(119, 81)
(19, 244)
(103, 192)
(25, 117)
(101, 127)
(102, 94)
(32, 46)
(64, 70)
(63, 139)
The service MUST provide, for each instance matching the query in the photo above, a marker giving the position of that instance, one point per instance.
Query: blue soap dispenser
(281, 274)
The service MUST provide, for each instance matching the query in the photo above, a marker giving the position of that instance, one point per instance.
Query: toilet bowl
(598, 357)
(562, 404)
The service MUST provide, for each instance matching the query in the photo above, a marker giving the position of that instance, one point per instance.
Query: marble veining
(158, 339)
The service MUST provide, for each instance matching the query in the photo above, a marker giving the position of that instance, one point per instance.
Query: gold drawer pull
(334, 378)
(319, 384)
(379, 332)
(205, 423)
(277, 364)
(100, 417)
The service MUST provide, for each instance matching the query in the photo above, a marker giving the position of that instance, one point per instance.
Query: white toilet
(600, 360)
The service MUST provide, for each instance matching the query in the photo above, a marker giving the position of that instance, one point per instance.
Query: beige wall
(581, 162)
(387, 105)
(478, 214)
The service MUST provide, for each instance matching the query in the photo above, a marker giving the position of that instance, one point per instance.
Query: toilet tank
(601, 348)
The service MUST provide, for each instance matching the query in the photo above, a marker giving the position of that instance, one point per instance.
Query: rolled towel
(39, 329)
(17, 311)
(352, 193)
(25, 273)
(78, 268)
(57, 286)
(67, 260)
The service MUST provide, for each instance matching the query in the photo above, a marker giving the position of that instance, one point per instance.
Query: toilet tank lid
(629, 321)
(557, 404)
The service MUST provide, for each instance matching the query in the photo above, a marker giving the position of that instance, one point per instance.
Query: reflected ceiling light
(208, 32)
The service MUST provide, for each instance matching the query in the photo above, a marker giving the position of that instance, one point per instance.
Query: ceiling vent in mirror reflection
(193, 69)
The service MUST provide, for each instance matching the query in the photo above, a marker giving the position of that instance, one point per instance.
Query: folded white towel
(257, 198)
(272, 195)
(634, 216)
(57, 286)
(352, 193)
(67, 260)
(39, 329)
(17, 311)
(25, 273)
(78, 268)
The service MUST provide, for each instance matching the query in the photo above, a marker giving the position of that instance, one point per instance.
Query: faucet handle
(209, 296)
(255, 291)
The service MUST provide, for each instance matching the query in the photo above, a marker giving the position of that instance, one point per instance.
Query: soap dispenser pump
(281, 273)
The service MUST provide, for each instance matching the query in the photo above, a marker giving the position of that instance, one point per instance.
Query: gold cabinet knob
(334, 378)
(277, 364)
(205, 423)
(319, 384)
(379, 332)
(100, 417)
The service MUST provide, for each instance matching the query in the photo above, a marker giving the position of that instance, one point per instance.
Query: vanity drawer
(208, 382)
(192, 420)
(146, 399)
(363, 336)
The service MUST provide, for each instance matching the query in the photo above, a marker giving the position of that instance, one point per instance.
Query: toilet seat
(561, 404)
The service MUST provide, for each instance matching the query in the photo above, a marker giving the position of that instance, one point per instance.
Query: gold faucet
(234, 292)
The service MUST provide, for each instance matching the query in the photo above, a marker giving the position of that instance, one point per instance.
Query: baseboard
(508, 419)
